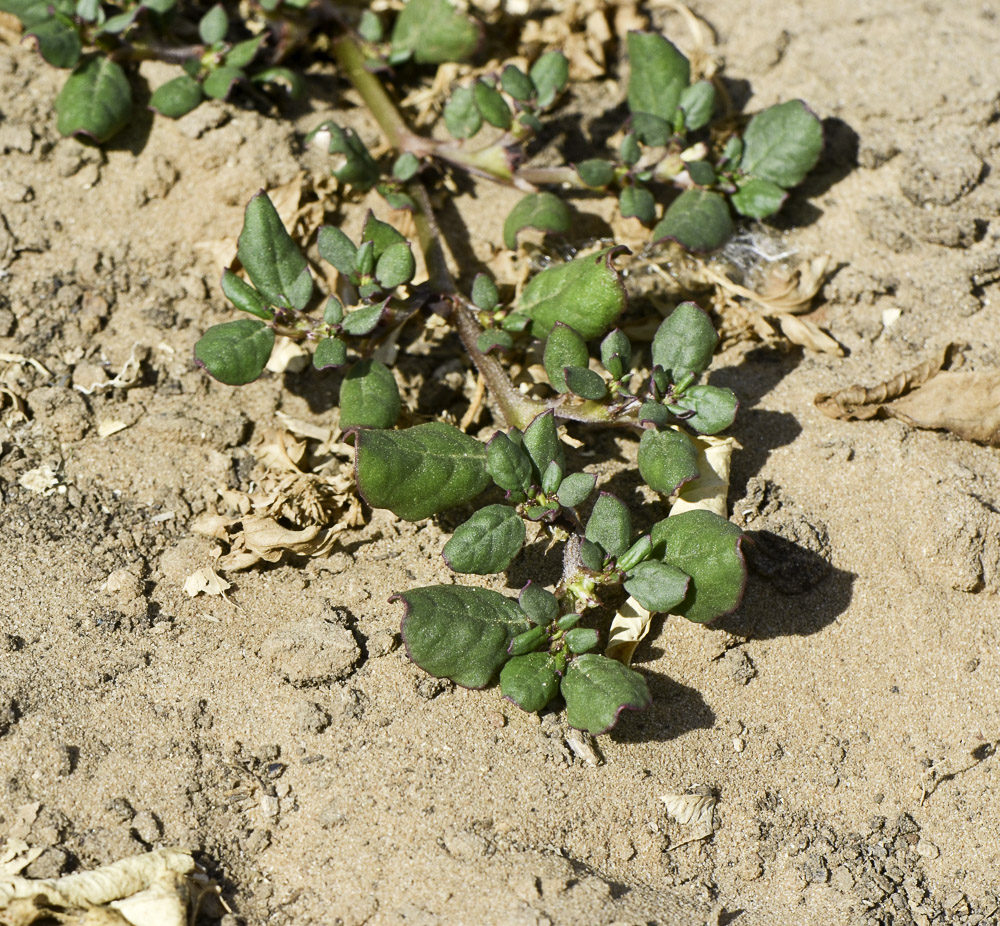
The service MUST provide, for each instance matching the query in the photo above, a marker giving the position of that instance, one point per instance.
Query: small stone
(50, 864)
(927, 849)
(146, 827)
(120, 809)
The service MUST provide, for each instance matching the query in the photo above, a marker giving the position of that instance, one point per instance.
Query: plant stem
(518, 410)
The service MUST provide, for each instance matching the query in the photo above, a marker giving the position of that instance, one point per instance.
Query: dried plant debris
(966, 404)
(289, 510)
(161, 888)
(694, 808)
(783, 294)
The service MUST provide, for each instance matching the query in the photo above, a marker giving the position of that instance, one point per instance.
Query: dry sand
(846, 715)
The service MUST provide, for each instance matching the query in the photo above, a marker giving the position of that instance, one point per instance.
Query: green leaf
(494, 339)
(381, 234)
(293, 84)
(58, 40)
(698, 219)
(586, 293)
(660, 73)
(702, 173)
(242, 53)
(637, 202)
(492, 105)
(539, 604)
(330, 352)
(508, 465)
(396, 266)
(536, 210)
(596, 172)
(176, 97)
(517, 83)
(333, 313)
(529, 641)
(271, 259)
(484, 293)
(30, 12)
(635, 554)
(651, 130)
(461, 114)
(591, 555)
(365, 260)
(598, 689)
(563, 348)
(459, 633)
(434, 32)
(714, 408)
(706, 547)
(89, 10)
(515, 323)
(698, 103)
(406, 166)
(757, 199)
(581, 639)
(337, 249)
(214, 25)
(685, 342)
(549, 74)
(95, 101)
(552, 478)
(362, 322)
(667, 459)
(220, 82)
(630, 150)
(657, 586)
(654, 413)
(420, 471)
(610, 525)
(782, 144)
(354, 165)
(116, 25)
(530, 681)
(487, 542)
(575, 489)
(244, 296)
(369, 397)
(616, 353)
(541, 441)
(370, 27)
(235, 353)
(586, 383)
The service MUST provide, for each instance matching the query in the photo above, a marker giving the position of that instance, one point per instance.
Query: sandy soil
(846, 716)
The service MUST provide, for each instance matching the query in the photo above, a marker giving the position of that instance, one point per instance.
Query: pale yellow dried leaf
(809, 335)
(694, 810)
(205, 581)
(210, 524)
(709, 491)
(288, 356)
(629, 627)
(41, 480)
(103, 885)
(280, 451)
(108, 426)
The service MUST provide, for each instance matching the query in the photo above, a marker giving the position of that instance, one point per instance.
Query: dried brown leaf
(967, 404)
(863, 402)
(808, 334)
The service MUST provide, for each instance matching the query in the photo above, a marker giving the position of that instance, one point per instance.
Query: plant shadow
(786, 570)
(676, 709)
